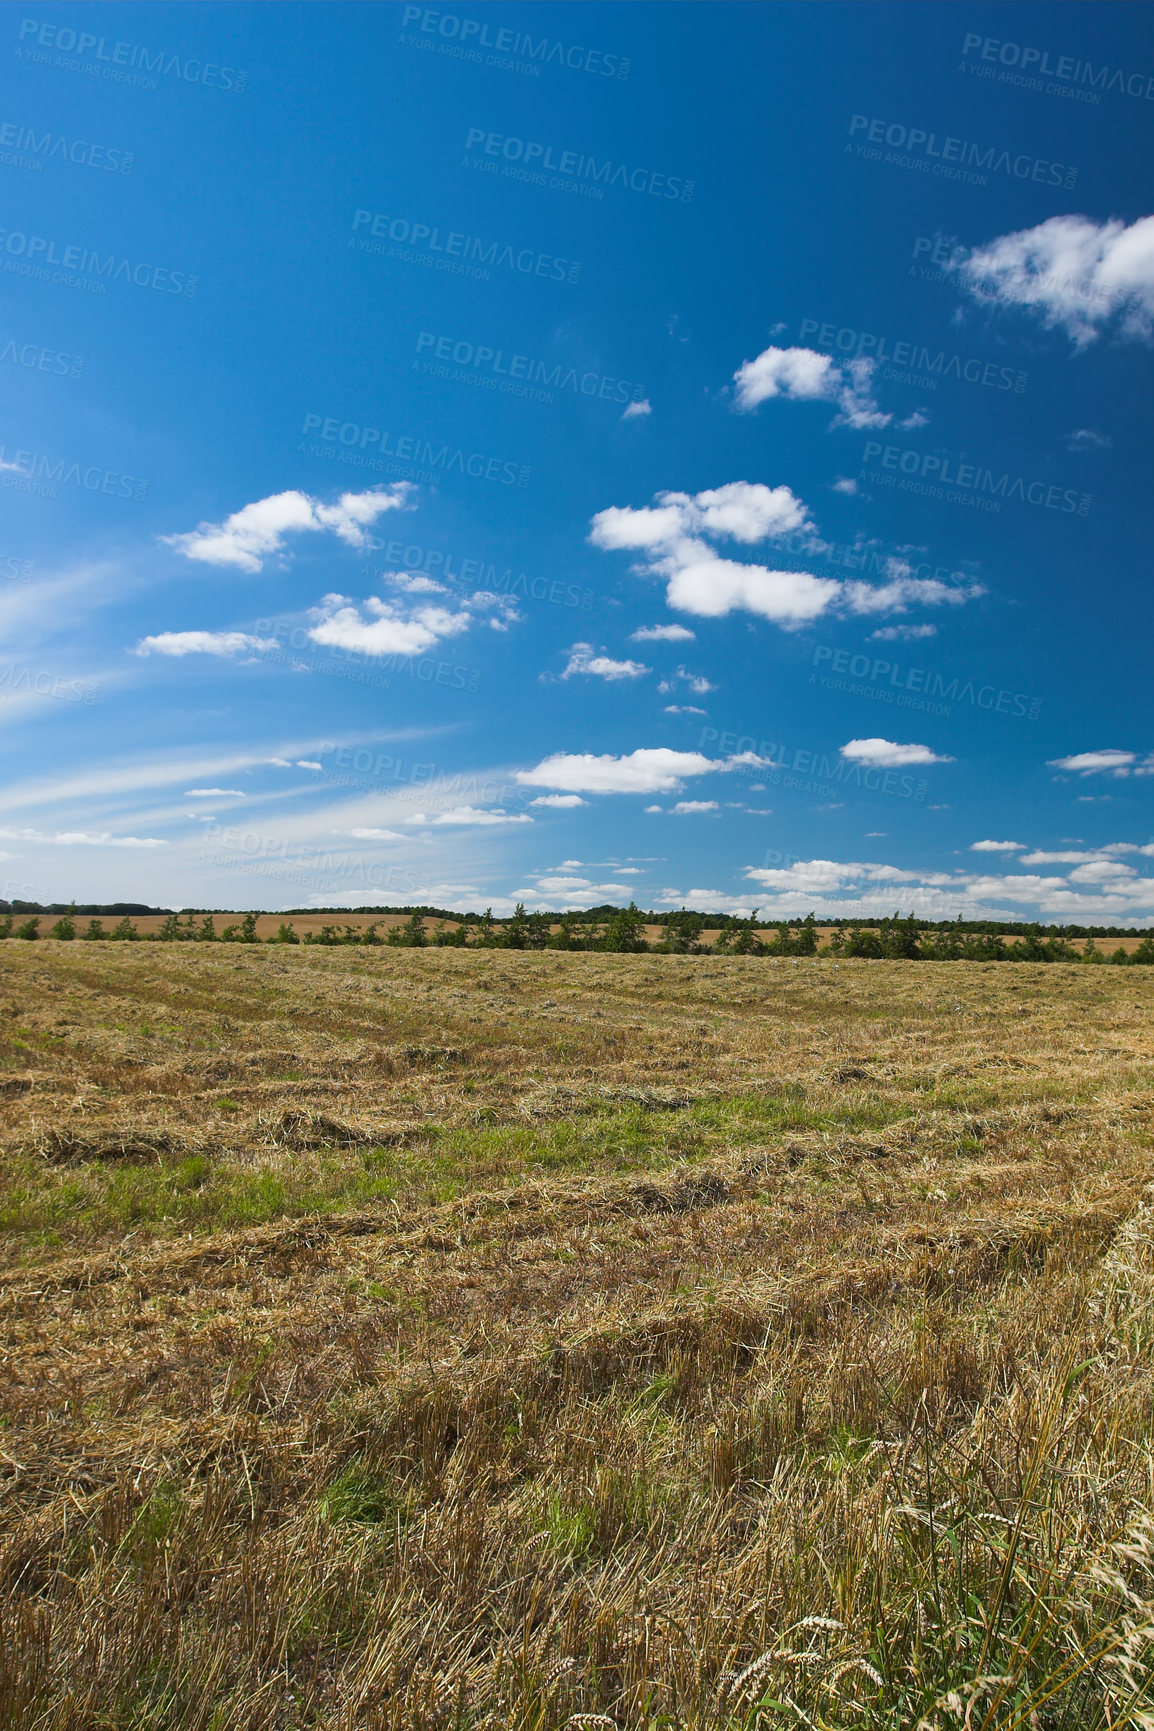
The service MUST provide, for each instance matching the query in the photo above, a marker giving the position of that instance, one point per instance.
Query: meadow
(399, 1339)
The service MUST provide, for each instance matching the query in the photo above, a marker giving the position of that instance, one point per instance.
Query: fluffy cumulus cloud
(676, 537)
(691, 807)
(583, 658)
(996, 846)
(885, 754)
(377, 627)
(203, 643)
(559, 801)
(1077, 275)
(804, 375)
(255, 532)
(1099, 889)
(636, 411)
(655, 770)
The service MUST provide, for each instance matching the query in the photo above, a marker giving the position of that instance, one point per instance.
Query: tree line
(622, 931)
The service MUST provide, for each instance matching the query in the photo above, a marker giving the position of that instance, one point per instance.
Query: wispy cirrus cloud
(226, 643)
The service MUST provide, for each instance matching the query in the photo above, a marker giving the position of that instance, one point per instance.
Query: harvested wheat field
(446, 1339)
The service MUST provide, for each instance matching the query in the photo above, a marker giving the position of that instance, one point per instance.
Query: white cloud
(845, 484)
(806, 375)
(653, 770)
(798, 373)
(1086, 439)
(584, 659)
(82, 838)
(1078, 275)
(663, 634)
(374, 834)
(885, 754)
(308, 763)
(996, 846)
(1109, 761)
(559, 801)
(672, 536)
(696, 682)
(471, 814)
(387, 631)
(684, 709)
(254, 532)
(1102, 871)
(202, 643)
(902, 633)
(633, 410)
(213, 793)
(896, 595)
(689, 807)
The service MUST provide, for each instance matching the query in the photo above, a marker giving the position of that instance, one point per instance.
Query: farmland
(446, 1338)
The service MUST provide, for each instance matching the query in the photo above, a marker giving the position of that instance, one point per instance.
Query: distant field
(441, 1339)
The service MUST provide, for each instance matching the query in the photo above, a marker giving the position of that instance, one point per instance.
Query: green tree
(171, 932)
(6, 926)
(29, 930)
(805, 943)
(682, 935)
(740, 938)
(65, 927)
(625, 932)
(248, 930)
(1144, 954)
(863, 942)
(206, 933)
(125, 932)
(517, 931)
(451, 937)
(95, 931)
(410, 936)
(1091, 952)
(285, 935)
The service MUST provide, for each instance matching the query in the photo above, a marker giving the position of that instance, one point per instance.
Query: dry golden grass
(406, 1339)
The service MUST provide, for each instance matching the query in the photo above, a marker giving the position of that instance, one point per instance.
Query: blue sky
(565, 453)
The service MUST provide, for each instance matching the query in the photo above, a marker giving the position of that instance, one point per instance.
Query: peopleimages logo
(54, 147)
(461, 254)
(510, 369)
(364, 442)
(915, 687)
(466, 36)
(933, 475)
(1067, 69)
(32, 254)
(912, 363)
(534, 156)
(954, 157)
(123, 55)
(812, 770)
(33, 472)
